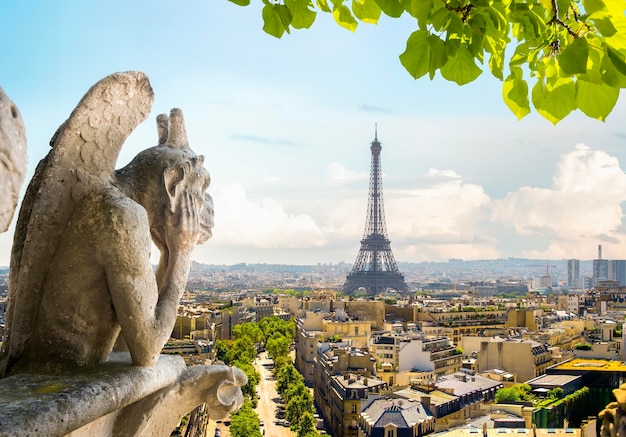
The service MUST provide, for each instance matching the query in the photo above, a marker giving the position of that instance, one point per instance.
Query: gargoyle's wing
(83, 156)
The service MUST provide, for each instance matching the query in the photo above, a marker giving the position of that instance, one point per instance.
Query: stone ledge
(50, 405)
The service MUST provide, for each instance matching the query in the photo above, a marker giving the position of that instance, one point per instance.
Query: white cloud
(581, 208)
(445, 210)
(260, 223)
(338, 173)
(443, 173)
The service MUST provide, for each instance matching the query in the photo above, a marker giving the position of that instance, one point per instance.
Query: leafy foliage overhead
(556, 55)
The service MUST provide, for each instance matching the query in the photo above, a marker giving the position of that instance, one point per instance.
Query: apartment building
(344, 377)
(526, 358)
(405, 356)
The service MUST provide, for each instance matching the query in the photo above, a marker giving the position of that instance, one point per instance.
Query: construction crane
(547, 265)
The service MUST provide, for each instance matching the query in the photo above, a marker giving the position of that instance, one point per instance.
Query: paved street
(265, 407)
(267, 403)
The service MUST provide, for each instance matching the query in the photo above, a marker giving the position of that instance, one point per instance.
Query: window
(390, 433)
(354, 408)
(356, 330)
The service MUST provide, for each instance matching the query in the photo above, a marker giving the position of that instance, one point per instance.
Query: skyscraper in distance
(573, 273)
(617, 271)
(600, 268)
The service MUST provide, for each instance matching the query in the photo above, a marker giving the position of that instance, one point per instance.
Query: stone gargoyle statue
(12, 158)
(81, 280)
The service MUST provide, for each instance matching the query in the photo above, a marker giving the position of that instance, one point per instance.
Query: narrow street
(266, 405)
(268, 396)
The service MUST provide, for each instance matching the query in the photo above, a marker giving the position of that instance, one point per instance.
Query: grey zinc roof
(402, 413)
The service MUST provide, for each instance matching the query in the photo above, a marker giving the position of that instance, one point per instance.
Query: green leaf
(617, 59)
(596, 101)
(240, 2)
(461, 67)
(573, 60)
(438, 55)
(594, 62)
(416, 56)
(563, 6)
(272, 23)
(496, 64)
(603, 22)
(392, 8)
(422, 10)
(344, 17)
(323, 5)
(284, 14)
(367, 11)
(592, 6)
(611, 75)
(302, 16)
(441, 18)
(515, 95)
(556, 101)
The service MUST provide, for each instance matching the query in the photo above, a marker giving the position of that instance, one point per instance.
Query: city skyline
(286, 127)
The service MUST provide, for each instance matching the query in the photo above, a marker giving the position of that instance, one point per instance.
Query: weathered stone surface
(116, 399)
(80, 265)
(81, 280)
(12, 158)
(55, 404)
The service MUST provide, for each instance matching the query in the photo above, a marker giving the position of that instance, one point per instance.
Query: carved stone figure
(12, 158)
(80, 272)
(614, 415)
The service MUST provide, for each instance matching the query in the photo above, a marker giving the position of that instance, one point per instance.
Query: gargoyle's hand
(183, 225)
(222, 389)
(206, 219)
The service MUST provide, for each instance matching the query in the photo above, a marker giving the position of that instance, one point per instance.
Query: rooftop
(592, 364)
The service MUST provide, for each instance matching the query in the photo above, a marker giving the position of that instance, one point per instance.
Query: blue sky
(286, 124)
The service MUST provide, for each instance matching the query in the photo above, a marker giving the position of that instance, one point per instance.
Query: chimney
(425, 400)
(599, 251)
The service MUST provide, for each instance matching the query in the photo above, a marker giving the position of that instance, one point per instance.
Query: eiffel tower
(375, 268)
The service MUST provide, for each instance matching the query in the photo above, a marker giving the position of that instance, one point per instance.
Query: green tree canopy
(287, 377)
(241, 349)
(306, 425)
(250, 330)
(222, 350)
(275, 325)
(297, 389)
(297, 406)
(245, 422)
(517, 392)
(281, 361)
(556, 55)
(277, 345)
(249, 389)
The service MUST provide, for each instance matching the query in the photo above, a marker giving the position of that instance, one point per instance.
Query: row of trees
(298, 400)
(273, 334)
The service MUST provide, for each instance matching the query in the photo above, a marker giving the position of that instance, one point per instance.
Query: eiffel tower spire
(375, 268)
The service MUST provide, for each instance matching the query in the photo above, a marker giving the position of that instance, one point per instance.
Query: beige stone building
(406, 357)
(526, 358)
(524, 318)
(308, 333)
(462, 323)
(316, 326)
(344, 377)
